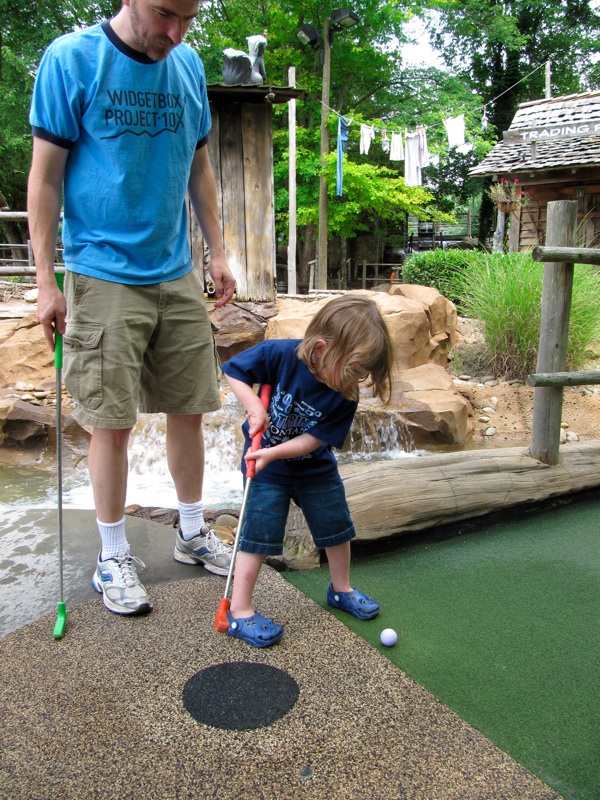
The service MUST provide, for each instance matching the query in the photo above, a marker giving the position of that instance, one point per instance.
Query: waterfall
(376, 434)
(149, 476)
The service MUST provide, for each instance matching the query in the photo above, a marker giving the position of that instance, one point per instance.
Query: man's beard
(156, 47)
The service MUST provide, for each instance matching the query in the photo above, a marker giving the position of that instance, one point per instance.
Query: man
(120, 120)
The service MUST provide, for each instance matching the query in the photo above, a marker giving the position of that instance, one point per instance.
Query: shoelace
(127, 569)
(215, 544)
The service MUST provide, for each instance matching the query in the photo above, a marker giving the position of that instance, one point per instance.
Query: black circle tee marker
(239, 695)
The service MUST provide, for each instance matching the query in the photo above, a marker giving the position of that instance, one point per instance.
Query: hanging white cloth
(423, 149)
(396, 149)
(385, 142)
(455, 129)
(412, 159)
(367, 134)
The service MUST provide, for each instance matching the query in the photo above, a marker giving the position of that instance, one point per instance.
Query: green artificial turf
(502, 625)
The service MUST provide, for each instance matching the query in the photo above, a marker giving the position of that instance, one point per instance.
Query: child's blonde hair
(357, 338)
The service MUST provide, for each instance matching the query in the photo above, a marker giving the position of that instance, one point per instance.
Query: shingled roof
(548, 134)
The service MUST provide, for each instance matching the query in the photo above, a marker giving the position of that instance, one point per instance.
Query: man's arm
(43, 206)
(202, 189)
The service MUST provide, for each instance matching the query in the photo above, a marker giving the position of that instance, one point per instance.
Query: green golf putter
(62, 613)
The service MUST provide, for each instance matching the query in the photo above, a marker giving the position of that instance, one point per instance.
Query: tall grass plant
(504, 292)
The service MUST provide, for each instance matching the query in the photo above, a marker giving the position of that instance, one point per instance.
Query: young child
(313, 401)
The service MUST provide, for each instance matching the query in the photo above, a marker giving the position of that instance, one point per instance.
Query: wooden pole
(291, 259)
(585, 378)
(552, 352)
(498, 240)
(573, 255)
(324, 149)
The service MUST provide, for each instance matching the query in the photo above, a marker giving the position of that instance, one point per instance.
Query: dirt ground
(511, 415)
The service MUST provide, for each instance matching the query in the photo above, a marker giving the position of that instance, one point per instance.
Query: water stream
(150, 483)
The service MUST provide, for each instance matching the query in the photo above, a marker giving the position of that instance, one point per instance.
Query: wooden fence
(559, 257)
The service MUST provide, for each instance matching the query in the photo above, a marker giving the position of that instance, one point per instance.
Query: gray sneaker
(207, 548)
(121, 589)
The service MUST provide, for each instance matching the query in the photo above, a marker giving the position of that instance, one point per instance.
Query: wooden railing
(21, 267)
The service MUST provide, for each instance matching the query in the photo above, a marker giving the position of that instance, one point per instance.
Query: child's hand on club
(260, 457)
(258, 420)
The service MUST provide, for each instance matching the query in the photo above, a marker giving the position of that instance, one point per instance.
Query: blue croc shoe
(356, 603)
(256, 630)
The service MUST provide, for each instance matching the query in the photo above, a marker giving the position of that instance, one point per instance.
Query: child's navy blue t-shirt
(299, 404)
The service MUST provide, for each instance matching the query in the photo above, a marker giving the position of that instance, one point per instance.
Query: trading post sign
(561, 131)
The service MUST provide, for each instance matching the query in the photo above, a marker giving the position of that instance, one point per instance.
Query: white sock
(191, 518)
(114, 541)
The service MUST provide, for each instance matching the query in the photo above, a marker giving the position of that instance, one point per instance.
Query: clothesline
(414, 151)
(437, 124)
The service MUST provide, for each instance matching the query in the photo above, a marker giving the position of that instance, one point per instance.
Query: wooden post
(498, 240)
(291, 259)
(230, 180)
(258, 197)
(324, 149)
(556, 306)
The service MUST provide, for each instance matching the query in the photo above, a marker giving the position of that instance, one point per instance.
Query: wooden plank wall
(241, 153)
(233, 214)
(259, 200)
(528, 226)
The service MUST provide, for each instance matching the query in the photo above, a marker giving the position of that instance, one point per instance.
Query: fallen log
(389, 498)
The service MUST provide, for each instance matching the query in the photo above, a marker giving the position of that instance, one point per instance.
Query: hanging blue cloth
(343, 126)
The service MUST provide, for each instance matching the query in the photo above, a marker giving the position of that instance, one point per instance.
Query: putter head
(221, 621)
(61, 621)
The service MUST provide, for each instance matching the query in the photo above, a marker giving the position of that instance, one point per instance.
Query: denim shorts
(323, 504)
(128, 348)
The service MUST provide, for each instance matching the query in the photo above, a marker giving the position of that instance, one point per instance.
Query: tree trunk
(498, 245)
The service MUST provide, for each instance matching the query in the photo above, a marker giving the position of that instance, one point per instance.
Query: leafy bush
(442, 269)
(504, 292)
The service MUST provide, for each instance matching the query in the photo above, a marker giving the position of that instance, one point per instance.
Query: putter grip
(265, 396)
(58, 339)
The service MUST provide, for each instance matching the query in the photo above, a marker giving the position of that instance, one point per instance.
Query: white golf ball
(389, 637)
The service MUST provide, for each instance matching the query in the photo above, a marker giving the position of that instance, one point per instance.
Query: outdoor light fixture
(343, 18)
(309, 35)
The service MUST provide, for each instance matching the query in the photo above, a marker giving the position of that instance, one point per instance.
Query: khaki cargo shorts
(138, 348)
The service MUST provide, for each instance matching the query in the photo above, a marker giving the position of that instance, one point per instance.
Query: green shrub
(439, 268)
(504, 292)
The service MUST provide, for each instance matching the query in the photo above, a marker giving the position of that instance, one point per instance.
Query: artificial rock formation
(426, 408)
(422, 324)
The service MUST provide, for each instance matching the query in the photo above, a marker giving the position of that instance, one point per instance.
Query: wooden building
(553, 147)
(241, 153)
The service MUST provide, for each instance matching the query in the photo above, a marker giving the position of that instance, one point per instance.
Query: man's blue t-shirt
(132, 126)
(300, 403)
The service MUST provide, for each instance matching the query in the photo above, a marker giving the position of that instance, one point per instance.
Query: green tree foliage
(489, 48)
(15, 139)
(496, 48)
(28, 26)
(366, 78)
(27, 29)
